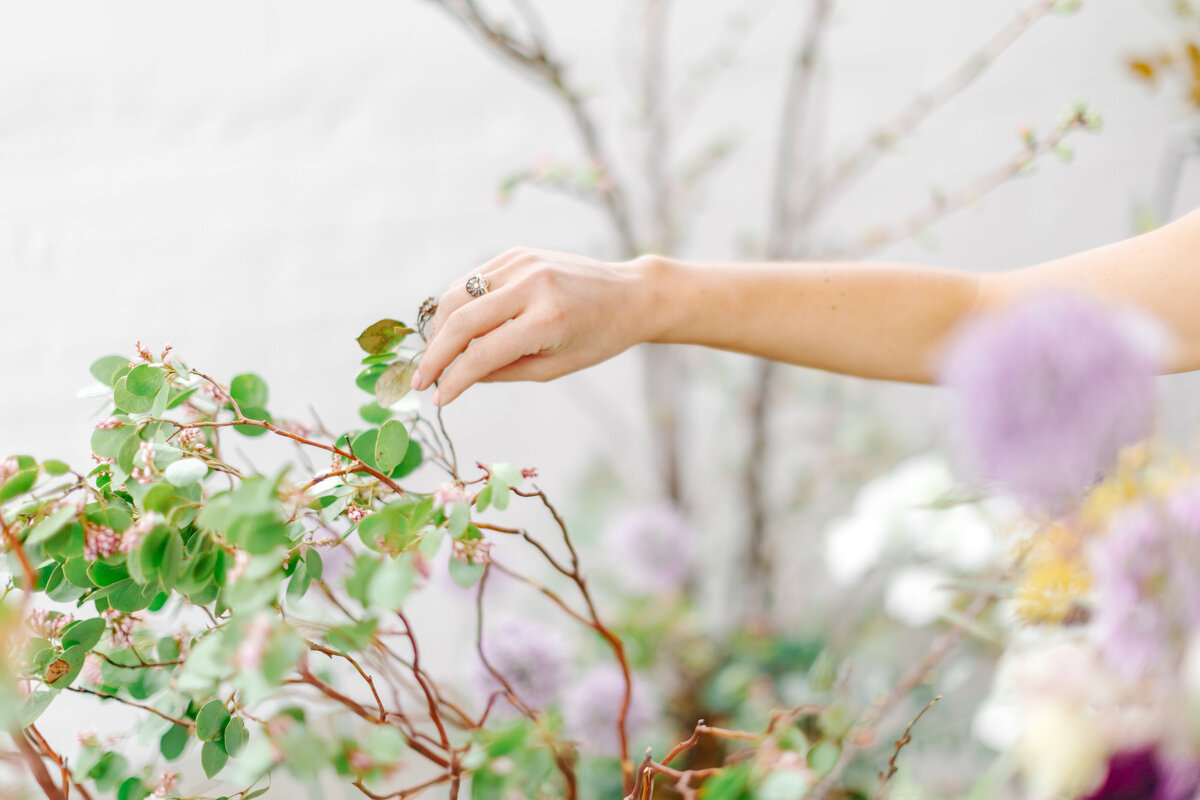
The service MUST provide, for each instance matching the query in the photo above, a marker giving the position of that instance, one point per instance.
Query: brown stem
(383, 714)
(37, 767)
(106, 696)
(357, 708)
(15, 545)
(420, 678)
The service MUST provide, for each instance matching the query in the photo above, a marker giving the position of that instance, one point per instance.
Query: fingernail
(417, 381)
(437, 397)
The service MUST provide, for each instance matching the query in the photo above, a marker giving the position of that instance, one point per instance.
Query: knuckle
(542, 277)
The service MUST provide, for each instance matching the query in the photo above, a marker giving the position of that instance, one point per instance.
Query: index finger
(469, 322)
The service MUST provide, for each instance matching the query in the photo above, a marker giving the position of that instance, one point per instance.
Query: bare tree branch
(858, 161)
(794, 130)
(534, 58)
(943, 205)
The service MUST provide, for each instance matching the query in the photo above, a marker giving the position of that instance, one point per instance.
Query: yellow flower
(1055, 578)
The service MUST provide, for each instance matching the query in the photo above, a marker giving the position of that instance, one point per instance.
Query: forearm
(891, 321)
(885, 321)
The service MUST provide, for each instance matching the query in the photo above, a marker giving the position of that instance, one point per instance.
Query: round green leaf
(185, 472)
(391, 445)
(85, 633)
(412, 460)
(106, 369)
(367, 378)
(144, 380)
(383, 336)
(314, 564)
(211, 721)
(126, 400)
(253, 412)
(173, 742)
(55, 467)
(395, 382)
(213, 759)
(18, 484)
(249, 390)
(236, 736)
(132, 789)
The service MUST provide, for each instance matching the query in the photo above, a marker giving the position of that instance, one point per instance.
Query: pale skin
(548, 314)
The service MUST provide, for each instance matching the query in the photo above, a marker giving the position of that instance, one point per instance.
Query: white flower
(1062, 752)
(918, 596)
(853, 546)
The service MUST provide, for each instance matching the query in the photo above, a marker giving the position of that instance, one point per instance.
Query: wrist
(652, 301)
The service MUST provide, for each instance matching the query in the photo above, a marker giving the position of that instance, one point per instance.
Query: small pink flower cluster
(144, 475)
(46, 626)
(137, 532)
(108, 424)
(143, 352)
(476, 551)
(99, 541)
(359, 761)
(121, 627)
(8, 468)
(91, 670)
(529, 473)
(193, 441)
(166, 784)
(355, 513)
(449, 493)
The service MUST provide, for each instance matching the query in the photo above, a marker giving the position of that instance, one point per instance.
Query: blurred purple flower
(1047, 393)
(656, 546)
(532, 659)
(593, 705)
(1145, 571)
(1143, 775)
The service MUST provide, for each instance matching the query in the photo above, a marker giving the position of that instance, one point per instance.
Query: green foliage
(220, 601)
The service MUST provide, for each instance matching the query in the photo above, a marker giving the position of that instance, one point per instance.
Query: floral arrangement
(260, 625)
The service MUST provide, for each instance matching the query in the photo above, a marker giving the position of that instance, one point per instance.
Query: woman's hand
(546, 314)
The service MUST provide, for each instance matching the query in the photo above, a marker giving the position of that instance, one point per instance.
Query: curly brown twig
(905, 738)
(870, 719)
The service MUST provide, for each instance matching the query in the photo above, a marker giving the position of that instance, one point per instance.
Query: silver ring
(477, 286)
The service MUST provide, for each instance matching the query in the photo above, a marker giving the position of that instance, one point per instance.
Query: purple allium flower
(532, 659)
(1143, 775)
(1047, 393)
(655, 546)
(1146, 571)
(1126, 565)
(593, 706)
